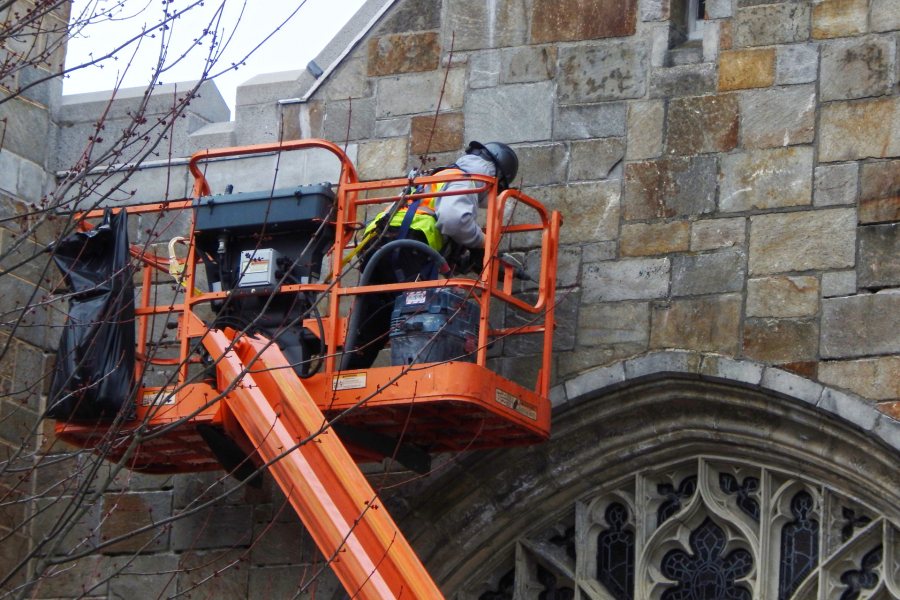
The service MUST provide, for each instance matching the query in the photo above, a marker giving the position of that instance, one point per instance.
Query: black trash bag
(94, 373)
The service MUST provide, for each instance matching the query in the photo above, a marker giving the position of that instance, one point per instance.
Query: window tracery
(706, 527)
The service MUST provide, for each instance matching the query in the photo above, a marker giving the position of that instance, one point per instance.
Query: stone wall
(736, 197)
(26, 333)
(737, 194)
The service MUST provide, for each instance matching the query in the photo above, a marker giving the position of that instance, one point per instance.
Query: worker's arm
(457, 216)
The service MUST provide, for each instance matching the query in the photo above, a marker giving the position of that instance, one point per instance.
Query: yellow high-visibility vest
(425, 219)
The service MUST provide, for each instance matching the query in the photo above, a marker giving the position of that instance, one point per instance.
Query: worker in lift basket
(446, 224)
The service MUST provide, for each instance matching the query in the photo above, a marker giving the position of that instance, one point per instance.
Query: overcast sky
(299, 41)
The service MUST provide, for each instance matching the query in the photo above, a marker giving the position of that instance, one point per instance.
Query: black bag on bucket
(94, 373)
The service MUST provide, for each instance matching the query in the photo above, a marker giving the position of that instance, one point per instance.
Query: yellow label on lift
(350, 381)
(157, 397)
(513, 402)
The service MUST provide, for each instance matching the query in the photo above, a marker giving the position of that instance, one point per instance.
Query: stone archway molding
(755, 375)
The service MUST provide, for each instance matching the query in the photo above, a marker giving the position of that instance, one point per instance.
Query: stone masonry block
(838, 283)
(600, 251)
(73, 580)
(710, 234)
(595, 379)
(839, 18)
(772, 24)
(127, 512)
(579, 121)
(879, 256)
(879, 199)
(879, 210)
(683, 80)
(861, 129)
(222, 574)
(476, 25)
(9, 171)
(709, 324)
(398, 127)
(441, 133)
(876, 321)
(874, 378)
(648, 239)
(490, 114)
(558, 396)
(266, 583)
(527, 64)
(849, 407)
(595, 159)
(645, 129)
(394, 97)
(415, 15)
(223, 526)
(796, 63)
(403, 53)
(742, 371)
(568, 266)
(17, 423)
(743, 69)
(23, 311)
(349, 80)
(636, 279)
(608, 324)
(574, 20)
(836, 184)
(26, 129)
(858, 68)
(781, 340)
(602, 71)
(762, 179)
(710, 43)
(669, 188)
(789, 384)
(718, 9)
(801, 241)
(598, 204)
(484, 69)
(382, 159)
(783, 296)
(84, 533)
(773, 118)
(142, 576)
(656, 363)
(709, 273)
(702, 124)
(885, 15)
(542, 164)
(349, 119)
(655, 10)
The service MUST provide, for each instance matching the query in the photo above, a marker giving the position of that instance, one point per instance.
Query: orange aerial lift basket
(239, 344)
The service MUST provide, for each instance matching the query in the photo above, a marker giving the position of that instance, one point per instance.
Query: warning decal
(351, 381)
(157, 397)
(513, 402)
(416, 297)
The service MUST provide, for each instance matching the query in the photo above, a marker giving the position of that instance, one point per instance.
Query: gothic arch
(661, 463)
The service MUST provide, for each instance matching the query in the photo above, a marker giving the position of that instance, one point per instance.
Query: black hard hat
(503, 157)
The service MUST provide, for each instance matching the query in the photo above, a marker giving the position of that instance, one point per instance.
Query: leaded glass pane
(799, 545)
(864, 578)
(674, 497)
(615, 554)
(705, 573)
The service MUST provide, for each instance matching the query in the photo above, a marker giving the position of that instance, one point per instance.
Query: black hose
(353, 326)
